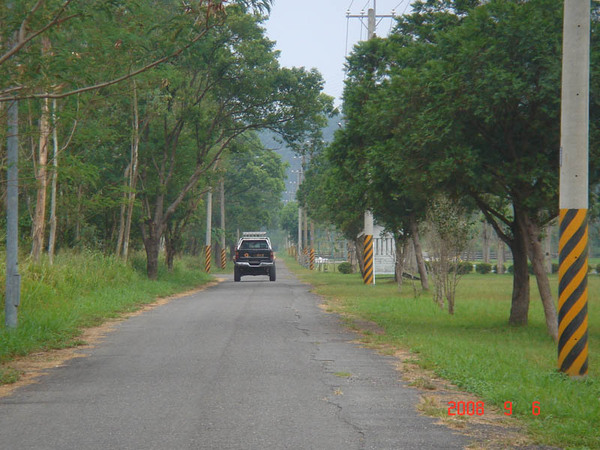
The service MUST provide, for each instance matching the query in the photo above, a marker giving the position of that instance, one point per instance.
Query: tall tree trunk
(519, 310)
(500, 256)
(485, 247)
(151, 234)
(133, 173)
(78, 212)
(121, 232)
(402, 247)
(548, 249)
(39, 219)
(152, 246)
(536, 254)
(170, 249)
(52, 238)
(359, 245)
(414, 229)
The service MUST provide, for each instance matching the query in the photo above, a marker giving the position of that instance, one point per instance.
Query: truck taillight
(271, 255)
(237, 255)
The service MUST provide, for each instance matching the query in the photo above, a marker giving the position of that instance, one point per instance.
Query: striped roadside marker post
(208, 257)
(312, 259)
(223, 258)
(574, 189)
(368, 275)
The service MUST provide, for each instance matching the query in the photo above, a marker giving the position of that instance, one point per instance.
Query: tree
(332, 192)
(288, 220)
(94, 35)
(254, 183)
(502, 96)
(229, 85)
(58, 48)
(449, 233)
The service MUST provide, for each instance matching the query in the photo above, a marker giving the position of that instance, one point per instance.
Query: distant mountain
(271, 141)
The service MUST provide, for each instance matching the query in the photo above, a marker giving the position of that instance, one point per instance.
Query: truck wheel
(236, 274)
(272, 274)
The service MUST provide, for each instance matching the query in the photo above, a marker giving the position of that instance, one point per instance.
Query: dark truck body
(254, 256)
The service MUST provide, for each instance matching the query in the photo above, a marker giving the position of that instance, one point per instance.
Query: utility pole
(369, 272)
(208, 246)
(13, 279)
(223, 240)
(312, 245)
(372, 17)
(299, 249)
(12, 296)
(574, 191)
(305, 250)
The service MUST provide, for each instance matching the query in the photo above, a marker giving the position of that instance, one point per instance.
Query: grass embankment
(79, 291)
(476, 349)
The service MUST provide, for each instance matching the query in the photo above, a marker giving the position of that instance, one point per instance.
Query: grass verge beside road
(478, 351)
(80, 291)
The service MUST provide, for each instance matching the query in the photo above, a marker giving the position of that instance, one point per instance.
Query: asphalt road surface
(249, 365)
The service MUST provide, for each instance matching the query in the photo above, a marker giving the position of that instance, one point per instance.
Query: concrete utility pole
(312, 246)
(223, 240)
(372, 17)
(208, 247)
(369, 272)
(299, 249)
(13, 279)
(12, 294)
(574, 189)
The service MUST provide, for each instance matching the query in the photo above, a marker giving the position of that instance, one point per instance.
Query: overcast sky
(312, 33)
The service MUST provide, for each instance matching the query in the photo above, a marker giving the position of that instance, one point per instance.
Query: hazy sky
(316, 33)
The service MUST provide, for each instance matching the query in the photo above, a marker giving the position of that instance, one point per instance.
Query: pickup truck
(254, 256)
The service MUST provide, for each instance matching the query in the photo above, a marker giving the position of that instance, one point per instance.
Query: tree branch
(4, 97)
(23, 40)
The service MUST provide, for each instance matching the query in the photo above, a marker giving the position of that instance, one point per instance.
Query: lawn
(478, 351)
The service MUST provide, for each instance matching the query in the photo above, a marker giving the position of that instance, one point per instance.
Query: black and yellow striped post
(223, 258)
(574, 191)
(312, 259)
(208, 257)
(369, 272)
(573, 292)
(368, 258)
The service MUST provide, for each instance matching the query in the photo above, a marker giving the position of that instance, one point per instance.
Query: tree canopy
(463, 98)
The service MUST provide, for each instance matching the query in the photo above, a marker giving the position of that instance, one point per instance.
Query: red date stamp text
(471, 408)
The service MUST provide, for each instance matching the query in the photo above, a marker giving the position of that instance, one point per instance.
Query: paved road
(250, 365)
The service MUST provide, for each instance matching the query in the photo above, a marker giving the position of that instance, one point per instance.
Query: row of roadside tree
(129, 112)
(462, 100)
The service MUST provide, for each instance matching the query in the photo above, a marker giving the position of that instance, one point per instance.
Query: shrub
(598, 269)
(465, 267)
(483, 268)
(345, 267)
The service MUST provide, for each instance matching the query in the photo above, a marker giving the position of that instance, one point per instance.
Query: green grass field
(478, 351)
(79, 291)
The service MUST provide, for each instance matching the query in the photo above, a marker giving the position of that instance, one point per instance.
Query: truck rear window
(254, 245)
